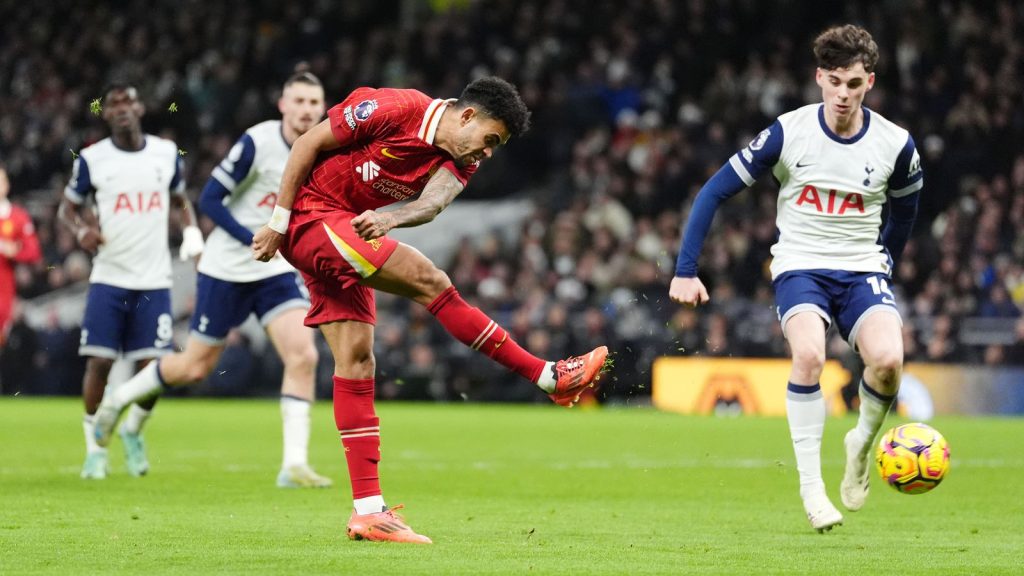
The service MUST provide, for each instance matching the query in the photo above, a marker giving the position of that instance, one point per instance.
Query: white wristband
(279, 220)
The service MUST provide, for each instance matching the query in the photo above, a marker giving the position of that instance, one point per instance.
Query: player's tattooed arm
(439, 192)
(85, 228)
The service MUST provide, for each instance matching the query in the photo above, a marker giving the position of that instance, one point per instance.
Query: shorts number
(164, 330)
(879, 286)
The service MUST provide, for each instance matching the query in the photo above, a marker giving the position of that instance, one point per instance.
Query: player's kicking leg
(294, 344)
(880, 343)
(805, 410)
(411, 274)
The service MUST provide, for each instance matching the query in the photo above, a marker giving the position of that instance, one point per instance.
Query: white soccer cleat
(96, 466)
(103, 425)
(302, 477)
(854, 488)
(821, 513)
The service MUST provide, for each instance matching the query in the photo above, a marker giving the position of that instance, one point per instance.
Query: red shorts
(333, 259)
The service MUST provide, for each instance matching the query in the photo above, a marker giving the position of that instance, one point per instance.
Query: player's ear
(819, 77)
(467, 115)
(871, 80)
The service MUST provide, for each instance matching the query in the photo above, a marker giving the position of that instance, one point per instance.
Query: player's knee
(302, 358)
(431, 280)
(887, 365)
(809, 362)
(199, 368)
(357, 364)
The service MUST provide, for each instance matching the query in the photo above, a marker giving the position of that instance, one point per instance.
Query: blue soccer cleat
(134, 453)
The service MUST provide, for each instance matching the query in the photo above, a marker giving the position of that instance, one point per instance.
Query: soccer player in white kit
(133, 178)
(239, 197)
(837, 164)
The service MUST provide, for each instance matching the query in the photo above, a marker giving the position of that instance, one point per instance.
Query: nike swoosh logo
(503, 338)
(385, 152)
(799, 165)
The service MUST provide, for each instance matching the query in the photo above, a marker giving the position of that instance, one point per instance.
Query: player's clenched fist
(689, 291)
(371, 224)
(265, 244)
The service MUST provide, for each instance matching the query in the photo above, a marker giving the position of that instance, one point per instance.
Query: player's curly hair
(844, 46)
(498, 99)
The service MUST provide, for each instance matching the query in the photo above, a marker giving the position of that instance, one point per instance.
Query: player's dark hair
(844, 46)
(303, 78)
(497, 99)
(118, 85)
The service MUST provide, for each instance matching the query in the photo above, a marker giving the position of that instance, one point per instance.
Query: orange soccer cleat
(386, 526)
(575, 374)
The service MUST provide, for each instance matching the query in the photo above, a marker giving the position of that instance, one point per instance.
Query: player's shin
(805, 410)
(873, 408)
(146, 384)
(475, 329)
(359, 428)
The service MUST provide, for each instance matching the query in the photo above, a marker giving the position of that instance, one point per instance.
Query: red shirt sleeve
(463, 174)
(366, 114)
(30, 252)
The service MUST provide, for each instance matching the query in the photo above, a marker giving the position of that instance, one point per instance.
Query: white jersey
(251, 174)
(132, 196)
(831, 189)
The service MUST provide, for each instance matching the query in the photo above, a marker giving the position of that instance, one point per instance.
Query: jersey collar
(828, 131)
(432, 118)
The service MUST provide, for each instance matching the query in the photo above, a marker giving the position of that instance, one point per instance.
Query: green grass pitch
(500, 489)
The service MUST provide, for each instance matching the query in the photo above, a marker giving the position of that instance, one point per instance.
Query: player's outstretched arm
(689, 291)
(300, 162)
(439, 192)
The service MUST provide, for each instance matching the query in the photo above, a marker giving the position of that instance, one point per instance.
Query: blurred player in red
(378, 147)
(18, 245)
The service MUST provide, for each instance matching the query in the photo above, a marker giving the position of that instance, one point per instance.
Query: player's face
(478, 136)
(843, 89)
(122, 109)
(301, 106)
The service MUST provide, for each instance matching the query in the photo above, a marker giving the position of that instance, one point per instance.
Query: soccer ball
(913, 458)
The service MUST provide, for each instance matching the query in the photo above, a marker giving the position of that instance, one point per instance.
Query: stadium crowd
(635, 104)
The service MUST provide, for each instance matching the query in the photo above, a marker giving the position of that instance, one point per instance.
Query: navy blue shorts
(846, 297)
(135, 323)
(223, 305)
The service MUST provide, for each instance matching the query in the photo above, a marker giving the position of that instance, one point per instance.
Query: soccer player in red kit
(18, 245)
(377, 147)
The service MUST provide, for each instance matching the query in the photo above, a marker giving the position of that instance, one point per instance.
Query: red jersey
(16, 226)
(387, 152)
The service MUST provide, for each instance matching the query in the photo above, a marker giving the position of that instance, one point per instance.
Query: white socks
(369, 505)
(143, 385)
(805, 408)
(135, 418)
(88, 427)
(873, 408)
(295, 423)
(547, 378)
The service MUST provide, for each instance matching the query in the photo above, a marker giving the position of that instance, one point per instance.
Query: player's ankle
(547, 379)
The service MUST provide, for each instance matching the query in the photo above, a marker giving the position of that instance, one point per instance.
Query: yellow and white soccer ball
(913, 458)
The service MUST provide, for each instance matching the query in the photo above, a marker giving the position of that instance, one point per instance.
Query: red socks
(475, 329)
(360, 433)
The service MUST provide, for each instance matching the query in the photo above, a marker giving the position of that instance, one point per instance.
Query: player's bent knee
(304, 358)
(809, 360)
